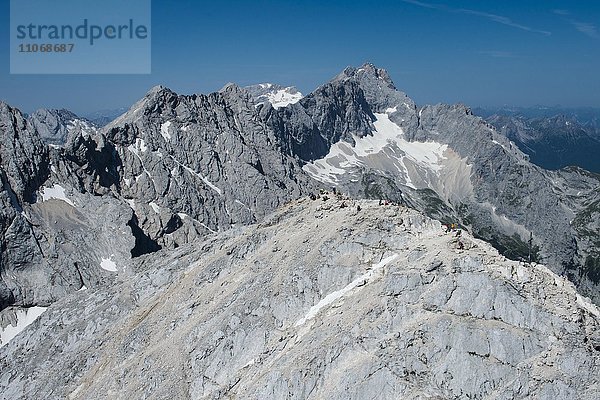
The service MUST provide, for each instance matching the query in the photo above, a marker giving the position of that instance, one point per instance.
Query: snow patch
(131, 203)
(84, 127)
(332, 297)
(588, 306)
(55, 192)
(155, 207)
(164, 130)
(500, 144)
(140, 145)
(25, 317)
(426, 153)
(205, 180)
(202, 177)
(108, 264)
(386, 143)
(184, 216)
(282, 97)
(243, 205)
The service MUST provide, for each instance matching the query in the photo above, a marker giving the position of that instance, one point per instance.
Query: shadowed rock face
(171, 170)
(317, 301)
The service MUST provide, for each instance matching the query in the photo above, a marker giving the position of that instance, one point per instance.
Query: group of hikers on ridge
(448, 228)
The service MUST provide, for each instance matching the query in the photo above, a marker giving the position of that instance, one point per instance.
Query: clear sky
(482, 53)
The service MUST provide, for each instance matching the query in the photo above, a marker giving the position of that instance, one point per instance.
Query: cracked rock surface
(317, 301)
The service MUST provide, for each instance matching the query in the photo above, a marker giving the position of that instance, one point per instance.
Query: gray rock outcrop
(171, 170)
(317, 301)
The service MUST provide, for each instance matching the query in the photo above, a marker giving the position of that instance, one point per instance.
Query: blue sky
(482, 53)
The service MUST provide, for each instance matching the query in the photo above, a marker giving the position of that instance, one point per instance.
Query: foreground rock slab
(320, 300)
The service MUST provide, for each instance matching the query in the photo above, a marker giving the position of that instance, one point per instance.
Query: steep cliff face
(24, 166)
(205, 161)
(53, 238)
(23, 156)
(171, 170)
(320, 300)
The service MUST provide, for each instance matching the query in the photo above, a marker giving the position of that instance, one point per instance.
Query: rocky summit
(257, 243)
(327, 298)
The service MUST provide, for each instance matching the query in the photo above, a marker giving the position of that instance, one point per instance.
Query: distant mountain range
(553, 137)
(587, 117)
(103, 117)
(214, 245)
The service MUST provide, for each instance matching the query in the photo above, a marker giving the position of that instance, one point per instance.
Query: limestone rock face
(319, 300)
(53, 237)
(202, 162)
(23, 157)
(24, 165)
(171, 170)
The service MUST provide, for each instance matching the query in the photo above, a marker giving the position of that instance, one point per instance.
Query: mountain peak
(367, 72)
(152, 100)
(157, 89)
(378, 87)
(230, 87)
(158, 93)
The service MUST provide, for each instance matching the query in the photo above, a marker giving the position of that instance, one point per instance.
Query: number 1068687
(46, 48)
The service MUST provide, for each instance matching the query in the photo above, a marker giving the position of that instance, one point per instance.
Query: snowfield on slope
(283, 97)
(55, 192)
(386, 148)
(25, 317)
(277, 95)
